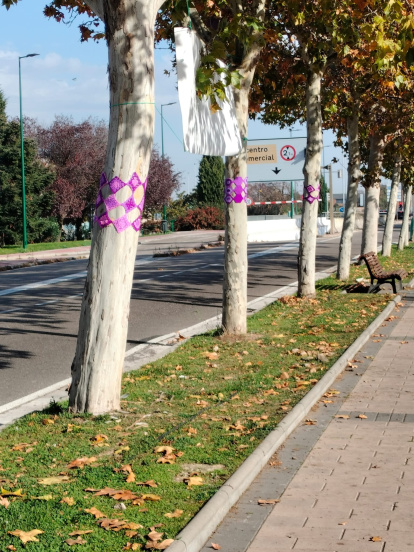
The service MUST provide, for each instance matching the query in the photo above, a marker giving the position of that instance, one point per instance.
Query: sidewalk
(18, 260)
(354, 491)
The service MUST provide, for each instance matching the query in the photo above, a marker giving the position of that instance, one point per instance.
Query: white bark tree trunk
(372, 193)
(403, 239)
(392, 205)
(354, 176)
(312, 174)
(98, 363)
(234, 319)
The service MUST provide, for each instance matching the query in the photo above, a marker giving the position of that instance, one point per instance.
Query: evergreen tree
(210, 185)
(40, 226)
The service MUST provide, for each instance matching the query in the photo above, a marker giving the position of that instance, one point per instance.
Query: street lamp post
(22, 150)
(162, 155)
(331, 214)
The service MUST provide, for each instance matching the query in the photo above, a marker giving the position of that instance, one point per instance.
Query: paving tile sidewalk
(354, 492)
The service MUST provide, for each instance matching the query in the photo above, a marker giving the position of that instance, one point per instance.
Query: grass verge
(135, 478)
(33, 247)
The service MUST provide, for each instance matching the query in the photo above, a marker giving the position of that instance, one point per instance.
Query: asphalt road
(39, 306)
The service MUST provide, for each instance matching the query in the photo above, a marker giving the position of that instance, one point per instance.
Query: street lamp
(22, 147)
(162, 155)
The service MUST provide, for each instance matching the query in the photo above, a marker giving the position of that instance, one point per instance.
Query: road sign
(341, 209)
(277, 159)
(248, 200)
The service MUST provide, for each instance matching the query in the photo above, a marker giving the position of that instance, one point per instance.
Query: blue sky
(69, 78)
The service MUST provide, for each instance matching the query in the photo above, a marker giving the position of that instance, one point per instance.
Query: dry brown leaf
(175, 514)
(26, 536)
(154, 535)
(262, 501)
(150, 497)
(54, 480)
(4, 502)
(95, 512)
(67, 500)
(130, 478)
(308, 421)
(159, 545)
(149, 483)
(343, 416)
(124, 495)
(215, 546)
(24, 446)
(72, 542)
(48, 421)
(284, 376)
(76, 533)
(194, 480)
(164, 450)
(362, 416)
(375, 539)
(81, 462)
(121, 450)
(210, 356)
(103, 492)
(11, 547)
(132, 546)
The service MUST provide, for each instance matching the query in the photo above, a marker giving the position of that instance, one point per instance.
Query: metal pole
(22, 157)
(331, 213)
(164, 222)
(292, 208)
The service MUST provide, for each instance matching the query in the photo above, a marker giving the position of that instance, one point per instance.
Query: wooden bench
(377, 272)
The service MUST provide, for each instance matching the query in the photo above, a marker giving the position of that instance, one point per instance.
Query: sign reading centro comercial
(275, 159)
(261, 154)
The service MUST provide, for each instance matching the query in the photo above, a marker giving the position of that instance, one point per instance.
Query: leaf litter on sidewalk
(208, 404)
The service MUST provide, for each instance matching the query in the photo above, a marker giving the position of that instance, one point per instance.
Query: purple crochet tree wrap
(104, 205)
(308, 193)
(235, 190)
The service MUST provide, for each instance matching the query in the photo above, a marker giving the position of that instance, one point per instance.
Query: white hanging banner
(205, 132)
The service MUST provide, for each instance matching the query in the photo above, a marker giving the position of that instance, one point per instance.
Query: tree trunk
(312, 173)
(99, 358)
(404, 237)
(354, 175)
(234, 319)
(372, 193)
(392, 205)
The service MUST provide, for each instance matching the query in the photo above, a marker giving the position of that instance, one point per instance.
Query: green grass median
(34, 247)
(135, 478)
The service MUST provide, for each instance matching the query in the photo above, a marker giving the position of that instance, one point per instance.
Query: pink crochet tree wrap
(235, 190)
(308, 193)
(121, 214)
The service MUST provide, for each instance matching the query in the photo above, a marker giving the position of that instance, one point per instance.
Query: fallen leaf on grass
(149, 483)
(11, 547)
(100, 438)
(54, 480)
(67, 500)
(175, 514)
(24, 446)
(131, 475)
(29, 536)
(76, 533)
(215, 546)
(118, 525)
(262, 501)
(132, 546)
(72, 542)
(210, 356)
(81, 462)
(4, 502)
(194, 480)
(48, 421)
(44, 497)
(17, 493)
(95, 512)
(121, 450)
(151, 497)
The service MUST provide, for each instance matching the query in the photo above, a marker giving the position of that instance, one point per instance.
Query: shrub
(202, 218)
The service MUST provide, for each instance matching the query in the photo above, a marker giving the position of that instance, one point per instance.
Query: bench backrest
(373, 264)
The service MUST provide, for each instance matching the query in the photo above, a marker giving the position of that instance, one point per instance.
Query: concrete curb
(194, 536)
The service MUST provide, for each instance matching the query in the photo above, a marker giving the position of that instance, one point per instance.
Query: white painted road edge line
(35, 395)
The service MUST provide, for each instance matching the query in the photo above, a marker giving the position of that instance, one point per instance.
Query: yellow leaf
(54, 480)
(48, 421)
(29, 536)
(375, 539)
(18, 493)
(122, 449)
(151, 497)
(44, 497)
(362, 416)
